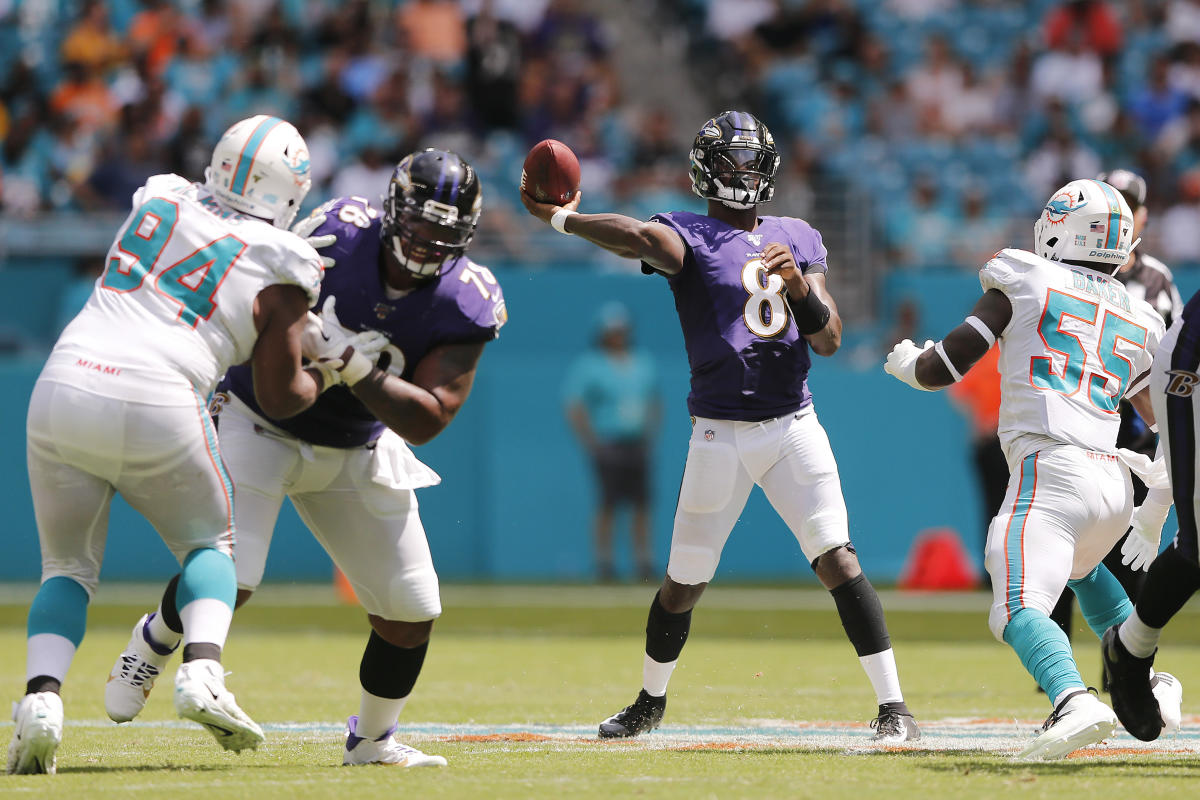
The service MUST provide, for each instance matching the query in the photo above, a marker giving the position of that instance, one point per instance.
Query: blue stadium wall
(517, 497)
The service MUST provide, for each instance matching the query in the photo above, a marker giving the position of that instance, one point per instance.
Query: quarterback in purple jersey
(752, 302)
(345, 464)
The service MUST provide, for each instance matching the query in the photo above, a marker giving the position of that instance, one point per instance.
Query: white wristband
(559, 220)
(356, 368)
(941, 351)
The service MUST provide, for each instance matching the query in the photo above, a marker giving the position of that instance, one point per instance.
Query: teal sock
(207, 573)
(1045, 651)
(59, 607)
(1102, 599)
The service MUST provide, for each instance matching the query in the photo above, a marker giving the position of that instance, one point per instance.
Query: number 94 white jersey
(175, 304)
(1076, 344)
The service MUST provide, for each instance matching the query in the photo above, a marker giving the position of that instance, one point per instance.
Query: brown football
(550, 173)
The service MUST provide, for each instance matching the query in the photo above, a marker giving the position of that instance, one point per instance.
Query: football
(550, 173)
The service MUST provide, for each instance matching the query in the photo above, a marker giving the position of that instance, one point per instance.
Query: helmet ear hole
(1052, 241)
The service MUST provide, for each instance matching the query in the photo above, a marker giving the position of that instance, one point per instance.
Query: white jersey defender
(180, 282)
(1076, 344)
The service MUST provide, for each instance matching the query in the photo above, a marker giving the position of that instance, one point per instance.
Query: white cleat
(384, 750)
(133, 676)
(1078, 721)
(201, 696)
(1168, 691)
(37, 734)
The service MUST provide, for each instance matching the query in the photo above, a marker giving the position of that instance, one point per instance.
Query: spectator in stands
(1182, 23)
(493, 67)
(1059, 156)
(91, 41)
(613, 406)
(1158, 102)
(154, 33)
(1069, 72)
(433, 29)
(936, 82)
(1090, 23)
(83, 96)
(1180, 235)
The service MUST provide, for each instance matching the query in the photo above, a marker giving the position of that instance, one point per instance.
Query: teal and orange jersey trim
(1014, 537)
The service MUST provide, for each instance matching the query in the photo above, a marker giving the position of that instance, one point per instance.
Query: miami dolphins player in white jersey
(404, 276)
(201, 276)
(1073, 343)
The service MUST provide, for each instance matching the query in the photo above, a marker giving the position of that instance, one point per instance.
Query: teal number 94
(192, 282)
(1114, 366)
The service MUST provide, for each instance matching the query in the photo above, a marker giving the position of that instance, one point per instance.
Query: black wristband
(811, 314)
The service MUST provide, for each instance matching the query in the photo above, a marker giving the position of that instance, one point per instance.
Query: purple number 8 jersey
(747, 359)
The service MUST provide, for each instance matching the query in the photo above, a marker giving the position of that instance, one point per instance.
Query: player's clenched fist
(340, 355)
(902, 362)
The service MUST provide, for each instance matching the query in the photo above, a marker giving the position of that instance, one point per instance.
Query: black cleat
(644, 715)
(1129, 686)
(894, 727)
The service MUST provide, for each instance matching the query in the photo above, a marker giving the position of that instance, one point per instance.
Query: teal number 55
(1113, 365)
(192, 282)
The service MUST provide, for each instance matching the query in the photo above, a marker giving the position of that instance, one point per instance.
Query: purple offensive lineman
(751, 297)
(344, 463)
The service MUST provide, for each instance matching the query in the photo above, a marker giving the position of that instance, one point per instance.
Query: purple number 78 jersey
(464, 304)
(748, 360)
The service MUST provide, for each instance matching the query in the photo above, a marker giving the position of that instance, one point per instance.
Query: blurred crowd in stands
(952, 120)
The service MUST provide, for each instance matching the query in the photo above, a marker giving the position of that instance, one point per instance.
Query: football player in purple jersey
(345, 463)
(752, 301)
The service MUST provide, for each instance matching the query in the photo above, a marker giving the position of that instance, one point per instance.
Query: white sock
(206, 619)
(48, 654)
(1138, 637)
(160, 634)
(377, 715)
(655, 675)
(885, 679)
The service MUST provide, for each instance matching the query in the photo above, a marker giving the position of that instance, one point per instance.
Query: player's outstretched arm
(936, 366)
(422, 409)
(281, 386)
(651, 242)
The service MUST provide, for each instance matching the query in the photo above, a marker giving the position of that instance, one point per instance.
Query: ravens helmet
(734, 160)
(430, 210)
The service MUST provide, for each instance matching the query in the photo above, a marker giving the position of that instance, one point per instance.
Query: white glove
(1145, 535)
(329, 345)
(902, 363)
(304, 229)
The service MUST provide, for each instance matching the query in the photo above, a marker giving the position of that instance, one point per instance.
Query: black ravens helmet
(734, 160)
(431, 210)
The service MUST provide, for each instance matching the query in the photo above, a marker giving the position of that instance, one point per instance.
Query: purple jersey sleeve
(807, 245)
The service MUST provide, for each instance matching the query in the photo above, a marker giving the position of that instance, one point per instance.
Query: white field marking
(803, 597)
(1000, 737)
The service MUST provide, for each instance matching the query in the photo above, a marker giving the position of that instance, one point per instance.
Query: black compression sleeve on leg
(170, 615)
(390, 671)
(666, 633)
(862, 616)
(1172, 580)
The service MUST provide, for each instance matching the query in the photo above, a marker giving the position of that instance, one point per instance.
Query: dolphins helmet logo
(1061, 205)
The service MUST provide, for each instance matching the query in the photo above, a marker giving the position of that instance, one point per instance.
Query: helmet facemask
(734, 161)
(424, 239)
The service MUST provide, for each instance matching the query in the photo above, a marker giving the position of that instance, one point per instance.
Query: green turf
(574, 659)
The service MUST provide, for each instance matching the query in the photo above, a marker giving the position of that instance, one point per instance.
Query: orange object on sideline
(978, 393)
(343, 589)
(938, 561)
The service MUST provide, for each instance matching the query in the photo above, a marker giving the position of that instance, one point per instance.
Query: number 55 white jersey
(175, 305)
(1076, 344)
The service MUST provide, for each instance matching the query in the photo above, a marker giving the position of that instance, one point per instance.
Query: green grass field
(768, 701)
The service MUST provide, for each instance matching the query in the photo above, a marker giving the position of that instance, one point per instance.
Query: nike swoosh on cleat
(223, 731)
(214, 694)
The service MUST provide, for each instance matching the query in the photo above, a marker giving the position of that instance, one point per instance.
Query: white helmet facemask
(1086, 222)
(261, 167)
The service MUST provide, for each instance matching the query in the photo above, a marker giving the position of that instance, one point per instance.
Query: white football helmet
(1086, 222)
(260, 167)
